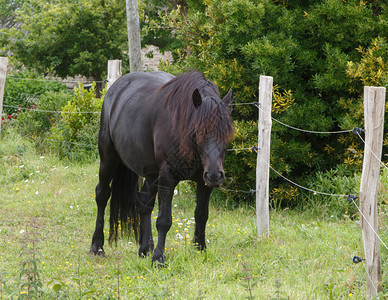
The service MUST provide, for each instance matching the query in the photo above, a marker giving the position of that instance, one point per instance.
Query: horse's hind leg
(108, 166)
(146, 204)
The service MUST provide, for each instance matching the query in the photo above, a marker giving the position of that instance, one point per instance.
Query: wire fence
(349, 197)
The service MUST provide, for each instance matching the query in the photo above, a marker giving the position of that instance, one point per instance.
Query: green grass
(50, 203)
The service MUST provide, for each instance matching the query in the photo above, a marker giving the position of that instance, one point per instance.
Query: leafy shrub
(371, 70)
(43, 114)
(24, 89)
(306, 48)
(75, 135)
(338, 181)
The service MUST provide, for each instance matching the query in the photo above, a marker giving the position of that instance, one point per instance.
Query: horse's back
(132, 83)
(129, 110)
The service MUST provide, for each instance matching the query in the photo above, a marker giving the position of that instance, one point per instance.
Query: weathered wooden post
(374, 107)
(134, 44)
(114, 72)
(263, 155)
(3, 75)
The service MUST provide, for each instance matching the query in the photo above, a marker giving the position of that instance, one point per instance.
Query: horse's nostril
(214, 176)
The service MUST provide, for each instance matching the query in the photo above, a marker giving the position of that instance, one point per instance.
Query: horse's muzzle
(214, 178)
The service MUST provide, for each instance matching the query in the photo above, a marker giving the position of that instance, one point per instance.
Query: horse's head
(213, 154)
(213, 138)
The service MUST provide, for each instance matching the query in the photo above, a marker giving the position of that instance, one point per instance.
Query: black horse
(164, 129)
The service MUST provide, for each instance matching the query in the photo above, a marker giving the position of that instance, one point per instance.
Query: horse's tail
(124, 215)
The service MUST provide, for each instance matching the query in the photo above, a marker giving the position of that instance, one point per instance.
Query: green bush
(45, 113)
(307, 49)
(24, 89)
(338, 181)
(75, 135)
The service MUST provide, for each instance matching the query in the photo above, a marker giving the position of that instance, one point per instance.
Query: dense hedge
(320, 55)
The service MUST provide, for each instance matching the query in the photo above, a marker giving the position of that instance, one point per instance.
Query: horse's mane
(191, 125)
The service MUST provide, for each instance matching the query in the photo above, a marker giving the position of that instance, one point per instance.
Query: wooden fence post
(374, 107)
(134, 44)
(263, 155)
(114, 72)
(3, 75)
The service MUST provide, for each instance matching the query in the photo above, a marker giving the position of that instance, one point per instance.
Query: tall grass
(305, 256)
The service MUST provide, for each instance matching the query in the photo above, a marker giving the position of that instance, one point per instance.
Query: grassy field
(47, 216)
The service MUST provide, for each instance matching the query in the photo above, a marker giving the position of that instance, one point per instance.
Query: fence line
(349, 197)
(372, 151)
(304, 130)
(251, 192)
(53, 80)
(239, 149)
(76, 144)
(52, 111)
(248, 103)
(298, 185)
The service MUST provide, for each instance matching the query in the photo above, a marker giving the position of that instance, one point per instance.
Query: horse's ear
(197, 99)
(228, 98)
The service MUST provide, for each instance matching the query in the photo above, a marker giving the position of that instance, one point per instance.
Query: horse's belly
(138, 156)
(145, 168)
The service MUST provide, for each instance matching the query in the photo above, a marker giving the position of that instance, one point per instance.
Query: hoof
(200, 247)
(100, 252)
(158, 264)
(158, 260)
(145, 251)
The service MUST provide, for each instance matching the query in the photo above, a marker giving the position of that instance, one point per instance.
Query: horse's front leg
(146, 205)
(166, 186)
(201, 214)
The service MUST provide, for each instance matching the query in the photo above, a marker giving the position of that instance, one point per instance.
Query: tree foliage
(8, 12)
(70, 38)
